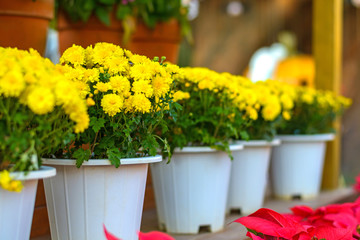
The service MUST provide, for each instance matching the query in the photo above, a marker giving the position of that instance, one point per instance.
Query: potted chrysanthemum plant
(265, 104)
(39, 112)
(200, 137)
(297, 164)
(129, 98)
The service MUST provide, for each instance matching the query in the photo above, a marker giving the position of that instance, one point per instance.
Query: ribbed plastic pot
(191, 191)
(17, 209)
(297, 165)
(249, 176)
(81, 200)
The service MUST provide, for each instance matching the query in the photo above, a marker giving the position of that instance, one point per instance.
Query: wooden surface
(327, 50)
(40, 224)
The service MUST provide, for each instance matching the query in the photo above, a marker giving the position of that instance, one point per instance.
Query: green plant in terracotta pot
(134, 25)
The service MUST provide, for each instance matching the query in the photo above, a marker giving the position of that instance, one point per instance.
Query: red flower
(155, 235)
(271, 223)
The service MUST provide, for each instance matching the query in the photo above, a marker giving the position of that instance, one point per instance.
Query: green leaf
(20, 118)
(244, 135)
(151, 145)
(97, 123)
(122, 11)
(103, 14)
(81, 155)
(114, 156)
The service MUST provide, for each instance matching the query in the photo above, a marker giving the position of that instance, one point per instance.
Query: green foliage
(24, 134)
(206, 118)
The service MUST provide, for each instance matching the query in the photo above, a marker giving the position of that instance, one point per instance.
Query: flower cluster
(332, 222)
(39, 85)
(314, 111)
(208, 114)
(265, 103)
(39, 109)
(127, 94)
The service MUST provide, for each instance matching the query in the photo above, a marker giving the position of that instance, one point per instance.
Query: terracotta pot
(164, 40)
(24, 23)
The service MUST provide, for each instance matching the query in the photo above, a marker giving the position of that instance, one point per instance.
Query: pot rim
(259, 143)
(306, 137)
(199, 149)
(43, 172)
(102, 162)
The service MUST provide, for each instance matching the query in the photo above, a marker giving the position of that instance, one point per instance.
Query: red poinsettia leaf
(253, 236)
(259, 224)
(294, 217)
(288, 233)
(272, 216)
(154, 235)
(336, 208)
(302, 211)
(342, 220)
(302, 236)
(108, 235)
(331, 233)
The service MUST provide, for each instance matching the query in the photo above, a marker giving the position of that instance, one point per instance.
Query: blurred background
(227, 34)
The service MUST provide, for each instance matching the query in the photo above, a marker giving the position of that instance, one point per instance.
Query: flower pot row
(194, 191)
(200, 186)
(104, 105)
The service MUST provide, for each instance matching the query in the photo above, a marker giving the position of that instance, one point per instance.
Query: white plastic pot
(81, 200)
(191, 191)
(249, 175)
(16, 209)
(297, 165)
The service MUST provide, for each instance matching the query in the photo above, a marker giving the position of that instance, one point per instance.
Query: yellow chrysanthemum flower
(141, 72)
(286, 115)
(252, 113)
(120, 84)
(12, 84)
(74, 55)
(143, 86)
(140, 103)
(7, 183)
(112, 104)
(180, 95)
(102, 87)
(116, 65)
(161, 85)
(41, 100)
(271, 111)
